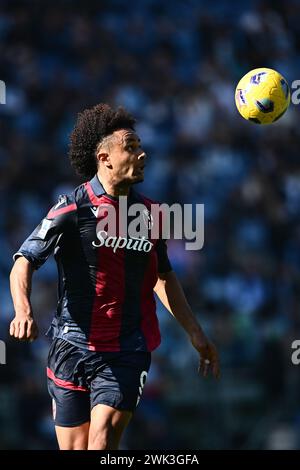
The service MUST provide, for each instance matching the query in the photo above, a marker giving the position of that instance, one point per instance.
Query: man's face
(123, 156)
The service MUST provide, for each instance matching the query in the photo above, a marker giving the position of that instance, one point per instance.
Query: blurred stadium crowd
(175, 66)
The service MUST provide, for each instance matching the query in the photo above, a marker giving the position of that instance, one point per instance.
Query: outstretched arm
(32, 254)
(170, 293)
(23, 326)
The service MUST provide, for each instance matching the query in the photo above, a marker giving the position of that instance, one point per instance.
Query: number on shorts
(143, 378)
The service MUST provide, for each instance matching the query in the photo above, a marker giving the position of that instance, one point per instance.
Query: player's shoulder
(84, 194)
(76, 198)
(65, 206)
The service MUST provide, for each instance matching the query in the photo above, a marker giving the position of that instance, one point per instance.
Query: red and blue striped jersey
(105, 295)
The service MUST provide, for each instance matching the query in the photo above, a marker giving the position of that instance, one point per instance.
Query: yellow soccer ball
(262, 96)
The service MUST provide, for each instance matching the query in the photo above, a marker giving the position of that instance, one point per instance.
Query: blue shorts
(79, 379)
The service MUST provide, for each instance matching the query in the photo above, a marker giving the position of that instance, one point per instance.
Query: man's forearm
(170, 293)
(20, 286)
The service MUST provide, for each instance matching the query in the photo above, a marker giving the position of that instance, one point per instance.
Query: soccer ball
(262, 96)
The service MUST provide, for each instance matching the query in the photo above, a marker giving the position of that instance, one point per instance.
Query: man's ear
(104, 158)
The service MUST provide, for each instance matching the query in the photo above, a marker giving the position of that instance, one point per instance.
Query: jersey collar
(97, 186)
(98, 189)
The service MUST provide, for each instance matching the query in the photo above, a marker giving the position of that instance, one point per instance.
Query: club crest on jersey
(148, 219)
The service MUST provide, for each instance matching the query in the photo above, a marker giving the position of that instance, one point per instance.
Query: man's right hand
(24, 328)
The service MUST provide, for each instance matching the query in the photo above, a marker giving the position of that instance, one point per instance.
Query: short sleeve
(164, 265)
(41, 243)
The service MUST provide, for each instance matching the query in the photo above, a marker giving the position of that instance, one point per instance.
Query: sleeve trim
(34, 261)
(17, 255)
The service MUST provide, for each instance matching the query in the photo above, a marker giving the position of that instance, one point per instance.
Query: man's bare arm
(170, 293)
(23, 326)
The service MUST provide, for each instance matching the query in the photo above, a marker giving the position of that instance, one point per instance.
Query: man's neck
(113, 189)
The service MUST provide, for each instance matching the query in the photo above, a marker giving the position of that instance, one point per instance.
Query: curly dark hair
(91, 127)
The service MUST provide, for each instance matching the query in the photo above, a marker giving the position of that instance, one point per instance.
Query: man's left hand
(209, 358)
